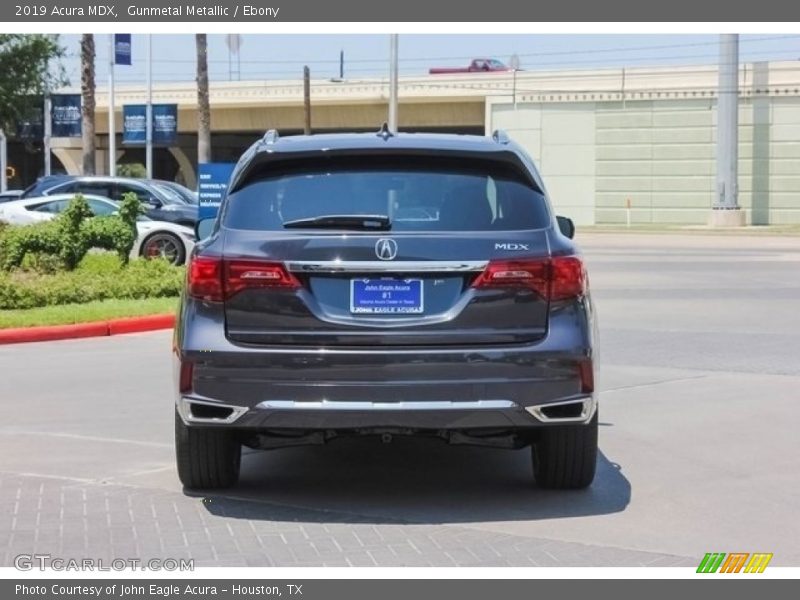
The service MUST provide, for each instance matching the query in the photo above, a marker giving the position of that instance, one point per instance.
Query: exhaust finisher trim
(185, 411)
(588, 408)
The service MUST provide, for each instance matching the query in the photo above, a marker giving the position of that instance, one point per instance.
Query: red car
(478, 65)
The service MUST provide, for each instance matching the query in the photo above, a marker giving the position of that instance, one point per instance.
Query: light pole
(393, 82)
(726, 211)
(112, 135)
(148, 119)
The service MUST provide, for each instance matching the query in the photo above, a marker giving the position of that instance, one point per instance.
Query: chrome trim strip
(355, 405)
(385, 266)
(589, 406)
(184, 409)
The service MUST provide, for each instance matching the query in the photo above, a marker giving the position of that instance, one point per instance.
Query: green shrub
(70, 235)
(98, 277)
(135, 170)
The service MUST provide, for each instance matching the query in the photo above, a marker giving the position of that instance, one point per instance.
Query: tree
(26, 74)
(88, 103)
(203, 106)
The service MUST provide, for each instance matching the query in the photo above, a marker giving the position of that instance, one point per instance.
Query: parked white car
(156, 238)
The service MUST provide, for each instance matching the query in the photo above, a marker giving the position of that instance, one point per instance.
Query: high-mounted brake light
(557, 278)
(215, 279)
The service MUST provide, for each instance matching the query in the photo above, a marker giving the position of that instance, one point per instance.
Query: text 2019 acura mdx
(367, 284)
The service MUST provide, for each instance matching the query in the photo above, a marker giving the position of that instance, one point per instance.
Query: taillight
(216, 279)
(568, 278)
(243, 274)
(185, 377)
(557, 278)
(586, 373)
(204, 278)
(532, 274)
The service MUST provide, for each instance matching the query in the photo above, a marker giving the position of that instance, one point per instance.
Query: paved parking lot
(699, 438)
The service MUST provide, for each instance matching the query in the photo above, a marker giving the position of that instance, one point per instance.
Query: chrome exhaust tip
(577, 410)
(208, 412)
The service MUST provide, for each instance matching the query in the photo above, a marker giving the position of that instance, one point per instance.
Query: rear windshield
(417, 195)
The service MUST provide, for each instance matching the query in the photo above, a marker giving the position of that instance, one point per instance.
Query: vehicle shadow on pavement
(408, 481)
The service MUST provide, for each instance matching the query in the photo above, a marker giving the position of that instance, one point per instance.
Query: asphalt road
(700, 367)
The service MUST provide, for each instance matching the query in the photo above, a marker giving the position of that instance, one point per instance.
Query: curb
(51, 333)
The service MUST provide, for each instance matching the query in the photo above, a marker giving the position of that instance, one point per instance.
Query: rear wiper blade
(377, 222)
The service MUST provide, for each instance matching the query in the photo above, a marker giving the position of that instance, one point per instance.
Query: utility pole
(307, 100)
(514, 64)
(112, 134)
(393, 60)
(148, 119)
(48, 133)
(726, 211)
(341, 64)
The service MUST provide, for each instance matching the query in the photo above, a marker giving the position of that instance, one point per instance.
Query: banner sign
(66, 115)
(212, 185)
(122, 48)
(133, 124)
(164, 126)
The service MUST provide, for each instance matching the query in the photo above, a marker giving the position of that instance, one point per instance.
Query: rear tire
(207, 458)
(565, 456)
(166, 245)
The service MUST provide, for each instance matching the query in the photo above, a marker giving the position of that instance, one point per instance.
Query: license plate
(386, 296)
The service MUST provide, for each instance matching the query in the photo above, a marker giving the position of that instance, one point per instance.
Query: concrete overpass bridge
(604, 139)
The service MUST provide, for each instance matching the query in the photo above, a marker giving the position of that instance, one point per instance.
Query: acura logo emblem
(386, 249)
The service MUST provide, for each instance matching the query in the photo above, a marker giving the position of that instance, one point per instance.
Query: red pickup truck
(478, 65)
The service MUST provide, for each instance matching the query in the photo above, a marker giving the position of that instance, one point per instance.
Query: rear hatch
(392, 251)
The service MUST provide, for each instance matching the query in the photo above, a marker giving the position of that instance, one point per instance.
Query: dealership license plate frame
(364, 301)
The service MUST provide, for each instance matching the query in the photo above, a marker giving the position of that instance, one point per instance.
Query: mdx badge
(386, 249)
(511, 246)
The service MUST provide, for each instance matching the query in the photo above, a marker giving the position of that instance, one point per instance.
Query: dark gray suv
(363, 284)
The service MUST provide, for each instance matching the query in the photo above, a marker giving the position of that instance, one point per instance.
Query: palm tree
(87, 103)
(203, 107)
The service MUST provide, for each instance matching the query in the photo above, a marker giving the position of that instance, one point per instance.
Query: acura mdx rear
(363, 284)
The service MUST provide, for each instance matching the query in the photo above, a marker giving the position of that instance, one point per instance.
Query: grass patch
(99, 310)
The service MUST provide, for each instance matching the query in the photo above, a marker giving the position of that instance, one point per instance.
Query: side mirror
(203, 228)
(566, 226)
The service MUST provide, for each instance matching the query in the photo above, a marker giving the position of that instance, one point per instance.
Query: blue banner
(122, 48)
(212, 185)
(134, 129)
(164, 127)
(66, 115)
(165, 124)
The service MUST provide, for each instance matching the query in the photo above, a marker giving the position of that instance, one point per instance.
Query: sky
(281, 57)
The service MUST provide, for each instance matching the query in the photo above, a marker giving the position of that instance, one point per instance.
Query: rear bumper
(262, 388)
(310, 416)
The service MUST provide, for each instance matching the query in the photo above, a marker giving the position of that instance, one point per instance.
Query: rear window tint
(417, 194)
